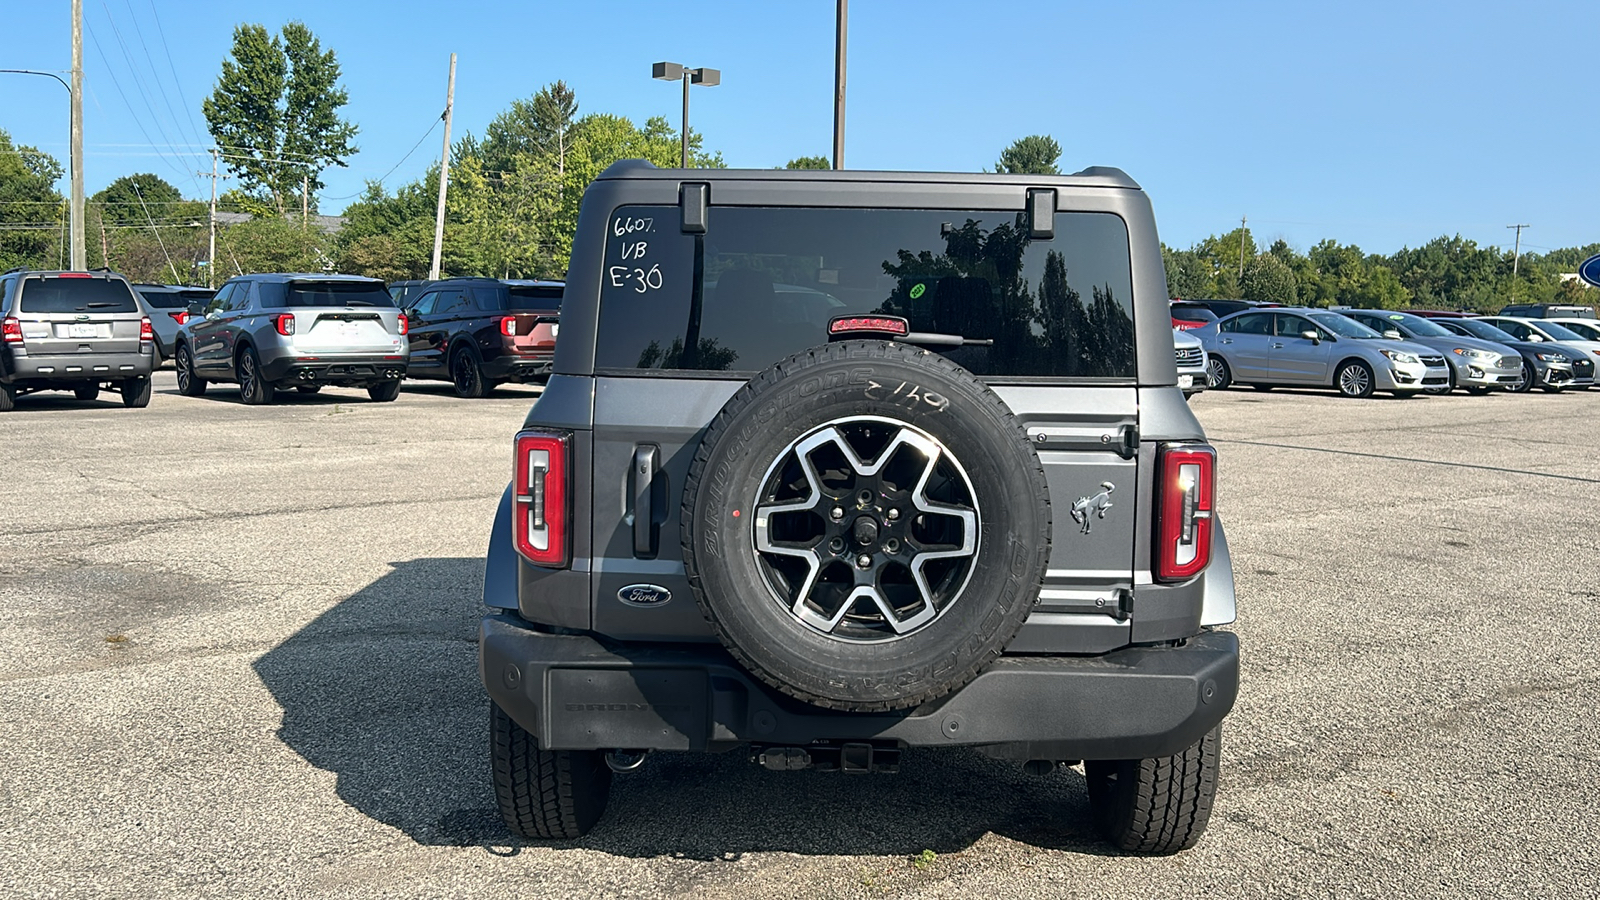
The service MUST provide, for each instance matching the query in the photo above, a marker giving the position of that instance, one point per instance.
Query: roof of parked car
(639, 169)
(301, 276)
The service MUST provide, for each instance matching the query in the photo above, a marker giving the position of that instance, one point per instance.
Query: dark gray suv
(834, 464)
(73, 331)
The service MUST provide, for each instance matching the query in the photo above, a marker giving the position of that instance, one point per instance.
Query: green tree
(541, 125)
(275, 113)
(1268, 279)
(808, 162)
(32, 213)
(1035, 154)
(120, 200)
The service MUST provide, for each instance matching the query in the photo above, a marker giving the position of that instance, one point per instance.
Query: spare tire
(865, 525)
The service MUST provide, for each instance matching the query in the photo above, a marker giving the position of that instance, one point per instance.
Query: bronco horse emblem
(1095, 505)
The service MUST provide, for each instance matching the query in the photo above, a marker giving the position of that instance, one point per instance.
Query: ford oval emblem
(645, 595)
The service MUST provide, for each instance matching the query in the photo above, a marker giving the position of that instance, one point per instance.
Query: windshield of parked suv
(1482, 329)
(166, 299)
(54, 294)
(1343, 327)
(324, 293)
(762, 284)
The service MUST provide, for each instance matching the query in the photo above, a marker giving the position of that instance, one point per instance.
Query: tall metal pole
(838, 84)
(80, 259)
(1242, 221)
(444, 171)
(211, 254)
(685, 135)
(1516, 257)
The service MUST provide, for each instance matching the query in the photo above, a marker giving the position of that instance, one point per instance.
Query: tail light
(182, 318)
(147, 332)
(284, 323)
(11, 330)
(541, 518)
(508, 326)
(405, 325)
(1184, 500)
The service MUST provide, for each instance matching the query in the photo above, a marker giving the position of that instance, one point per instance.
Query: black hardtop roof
(1093, 176)
(304, 276)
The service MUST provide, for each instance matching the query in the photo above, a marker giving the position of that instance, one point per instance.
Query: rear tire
(545, 794)
(466, 375)
(308, 388)
(1263, 388)
(136, 392)
(253, 388)
(385, 392)
(189, 384)
(1478, 391)
(8, 398)
(1156, 806)
(86, 393)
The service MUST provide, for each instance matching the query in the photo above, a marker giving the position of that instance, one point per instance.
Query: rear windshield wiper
(935, 339)
(99, 304)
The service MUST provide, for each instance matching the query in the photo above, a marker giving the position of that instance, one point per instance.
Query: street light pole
(74, 159)
(838, 83)
(670, 71)
(80, 259)
(1516, 257)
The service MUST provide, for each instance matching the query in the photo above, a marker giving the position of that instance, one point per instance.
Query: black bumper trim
(336, 370)
(573, 692)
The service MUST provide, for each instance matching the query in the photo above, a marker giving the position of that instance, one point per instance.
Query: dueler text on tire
(865, 525)
(545, 793)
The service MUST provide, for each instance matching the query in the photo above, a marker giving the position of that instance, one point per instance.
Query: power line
(188, 111)
(150, 62)
(397, 165)
(138, 83)
(120, 92)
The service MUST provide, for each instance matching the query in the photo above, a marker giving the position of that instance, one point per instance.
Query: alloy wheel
(1354, 381)
(866, 529)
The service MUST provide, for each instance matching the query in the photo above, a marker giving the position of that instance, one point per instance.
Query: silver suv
(275, 332)
(73, 331)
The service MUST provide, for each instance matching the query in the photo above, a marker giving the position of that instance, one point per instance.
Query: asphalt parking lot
(237, 659)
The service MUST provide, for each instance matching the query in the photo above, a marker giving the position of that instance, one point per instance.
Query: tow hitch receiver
(855, 758)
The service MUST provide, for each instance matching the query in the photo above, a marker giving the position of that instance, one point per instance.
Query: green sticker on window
(917, 290)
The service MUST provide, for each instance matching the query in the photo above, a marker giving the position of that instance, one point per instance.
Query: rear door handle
(647, 497)
(1277, 346)
(1225, 340)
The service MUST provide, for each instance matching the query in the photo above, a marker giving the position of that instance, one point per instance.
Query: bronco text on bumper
(836, 464)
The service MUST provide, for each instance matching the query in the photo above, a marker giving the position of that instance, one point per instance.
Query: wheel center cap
(865, 531)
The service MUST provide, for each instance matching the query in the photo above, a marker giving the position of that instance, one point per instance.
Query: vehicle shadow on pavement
(382, 690)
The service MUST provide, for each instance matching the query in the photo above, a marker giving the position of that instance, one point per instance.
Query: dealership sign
(1590, 270)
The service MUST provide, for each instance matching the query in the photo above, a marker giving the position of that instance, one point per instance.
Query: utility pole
(1242, 220)
(838, 83)
(80, 259)
(1516, 257)
(305, 200)
(211, 253)
(444, 171)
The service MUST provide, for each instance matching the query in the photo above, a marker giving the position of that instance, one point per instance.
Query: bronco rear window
(324, 293)
(763, 283)
(49, 294)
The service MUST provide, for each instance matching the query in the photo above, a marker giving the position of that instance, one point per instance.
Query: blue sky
(1382, 124)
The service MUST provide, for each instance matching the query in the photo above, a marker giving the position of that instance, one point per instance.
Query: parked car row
(267, 333)
(1360, 351)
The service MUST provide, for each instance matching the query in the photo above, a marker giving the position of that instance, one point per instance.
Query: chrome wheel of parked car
(866, 551)
(1354, 379)
(1217, 374)
(189, 384)
(253, 389)
(1529, 376)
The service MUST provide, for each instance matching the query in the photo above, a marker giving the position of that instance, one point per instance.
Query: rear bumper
(573, 692)
(75, 367)
(353, 369)
(519, 367)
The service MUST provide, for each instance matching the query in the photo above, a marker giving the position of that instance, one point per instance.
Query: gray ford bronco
(834, 464)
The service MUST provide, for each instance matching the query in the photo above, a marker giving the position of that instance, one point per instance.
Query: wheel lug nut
(893, 514)
(863, 561)
(836, 513)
